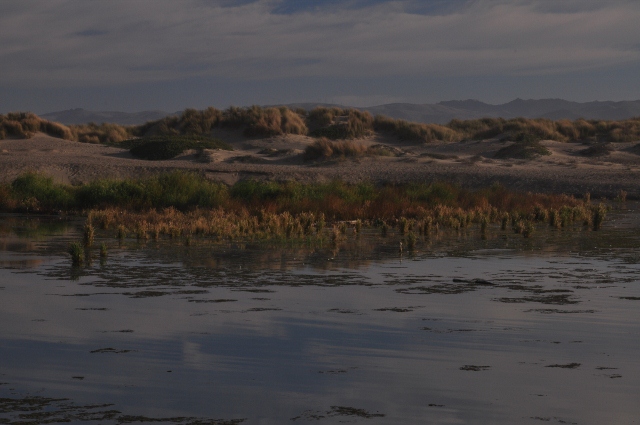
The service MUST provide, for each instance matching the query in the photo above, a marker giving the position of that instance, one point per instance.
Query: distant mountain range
(554, 109)
(439, 113)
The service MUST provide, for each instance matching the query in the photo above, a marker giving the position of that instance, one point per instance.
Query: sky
(134, 55)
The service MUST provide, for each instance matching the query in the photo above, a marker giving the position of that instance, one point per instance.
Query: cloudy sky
(133, 55)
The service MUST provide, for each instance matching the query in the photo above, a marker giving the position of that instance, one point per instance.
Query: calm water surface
(463, 331)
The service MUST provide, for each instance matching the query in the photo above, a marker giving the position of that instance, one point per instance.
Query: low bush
(597, 150)
(167, 147)
(101, 133)
(525, 147)
(37, 192)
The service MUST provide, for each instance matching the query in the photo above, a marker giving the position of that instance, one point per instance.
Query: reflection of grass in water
(34, 227)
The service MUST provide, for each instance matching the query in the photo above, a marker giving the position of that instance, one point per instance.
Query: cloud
(118, 41)
(90, 33)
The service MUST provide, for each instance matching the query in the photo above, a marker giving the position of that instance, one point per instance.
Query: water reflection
(464, 330)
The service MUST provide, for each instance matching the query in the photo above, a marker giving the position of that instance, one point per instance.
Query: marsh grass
(88, 234)
(76, 250)
(186, 204)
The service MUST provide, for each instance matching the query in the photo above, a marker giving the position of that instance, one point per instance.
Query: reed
(76, 250)
(411, 241)
(88, 234)
(599, 213)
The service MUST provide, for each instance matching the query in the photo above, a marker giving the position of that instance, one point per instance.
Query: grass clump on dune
(410, 131)
(327, 149)
(337, 123)
(24, 125)
(104, 133)
(255, 121)
(525, 146)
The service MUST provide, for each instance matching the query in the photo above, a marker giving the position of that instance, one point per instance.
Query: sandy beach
(469, 163)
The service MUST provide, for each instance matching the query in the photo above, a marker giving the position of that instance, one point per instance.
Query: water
(498, 331)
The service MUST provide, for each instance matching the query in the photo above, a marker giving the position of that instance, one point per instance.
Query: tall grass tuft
(324, 148)
(415, 132)
(76, 250)
(89, 234)
(599, 213)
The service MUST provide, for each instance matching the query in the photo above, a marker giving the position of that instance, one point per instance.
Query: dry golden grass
(24, 125)
(422, 133)
(332, 123)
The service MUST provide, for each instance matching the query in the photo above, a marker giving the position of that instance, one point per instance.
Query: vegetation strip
(187, 205)
(329, 123)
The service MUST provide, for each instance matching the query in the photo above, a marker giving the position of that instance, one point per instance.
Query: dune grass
(330, 123)
(415, 132)
(24, 125)
(327, 149)
(525, 146)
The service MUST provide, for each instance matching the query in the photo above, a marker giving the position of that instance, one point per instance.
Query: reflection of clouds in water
(193, 357)
(400, 351)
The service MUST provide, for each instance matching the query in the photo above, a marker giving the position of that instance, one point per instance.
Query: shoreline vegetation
(187, 205)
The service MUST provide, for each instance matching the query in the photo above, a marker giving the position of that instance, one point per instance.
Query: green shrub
(177, 189)
(105, 193)
(39, 192)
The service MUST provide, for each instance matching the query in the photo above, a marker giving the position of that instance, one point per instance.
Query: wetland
(473, 325)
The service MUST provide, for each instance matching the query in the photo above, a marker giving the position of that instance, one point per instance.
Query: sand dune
(468, 163)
